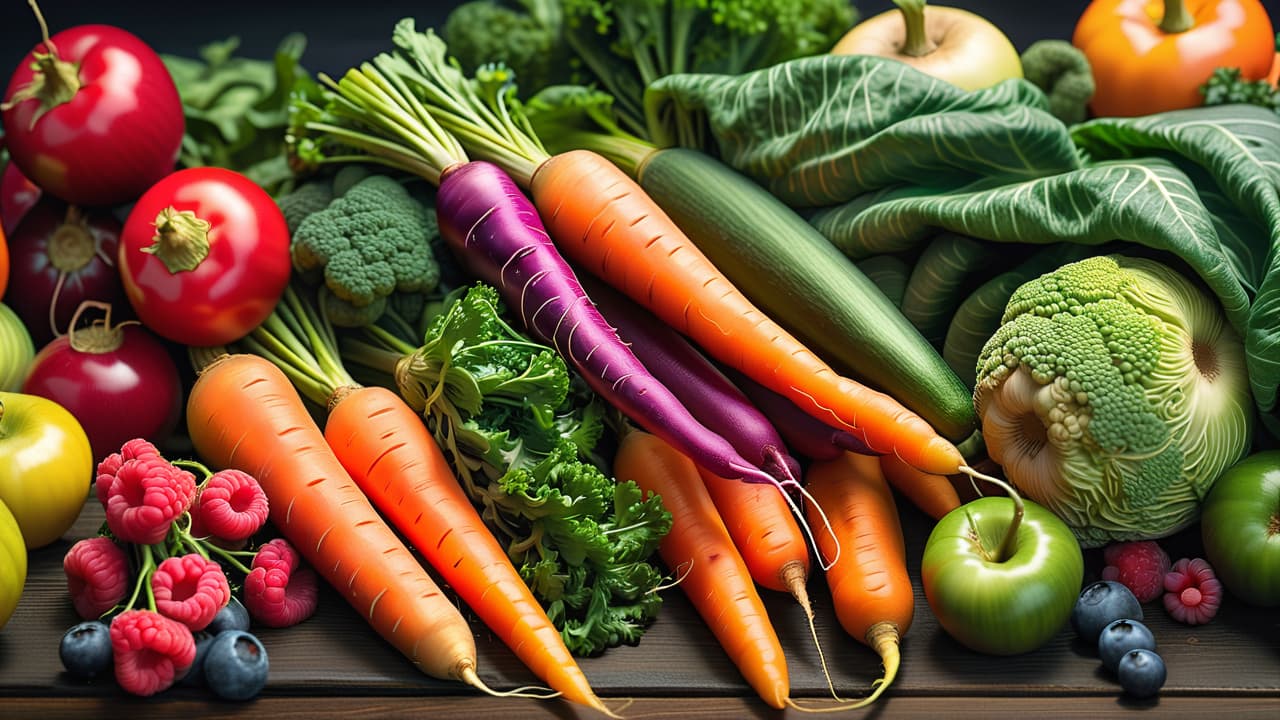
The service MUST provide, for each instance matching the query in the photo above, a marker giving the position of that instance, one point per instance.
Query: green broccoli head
(1114, 393)
(308, 198)
(526, 39)
(1063, 72)
(372, 241)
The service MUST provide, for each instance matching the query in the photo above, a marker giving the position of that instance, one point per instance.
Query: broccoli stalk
(1063, 72)
(628, 44)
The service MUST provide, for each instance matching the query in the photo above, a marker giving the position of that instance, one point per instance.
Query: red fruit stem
(54, 81)
(101, 336)
(181, 241)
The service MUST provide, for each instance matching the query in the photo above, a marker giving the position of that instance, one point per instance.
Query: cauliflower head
(1114, 393)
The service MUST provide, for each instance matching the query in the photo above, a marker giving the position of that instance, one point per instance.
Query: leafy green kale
(519, 430)
(627, 44)
(1226, 87)
(237, 109)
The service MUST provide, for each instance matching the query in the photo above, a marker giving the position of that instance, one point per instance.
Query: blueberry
(195, 673)
(235, 667)
(1100, 604)
(232, 616)
(1141, 673)
(1120, 637)
(86, 649)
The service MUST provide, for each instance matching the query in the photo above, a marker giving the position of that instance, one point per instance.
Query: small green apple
(1001, 574)
(1240, 526)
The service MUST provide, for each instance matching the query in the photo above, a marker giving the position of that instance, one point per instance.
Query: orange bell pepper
(1150, 56)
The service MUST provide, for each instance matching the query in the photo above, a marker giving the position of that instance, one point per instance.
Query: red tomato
(178, 290)
(17, 196)
(97, 371)
(119, 129)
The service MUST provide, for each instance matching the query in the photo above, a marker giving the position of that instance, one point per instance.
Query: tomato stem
(916, 42)
(181, 241)
(54, 81)
(1177, 18)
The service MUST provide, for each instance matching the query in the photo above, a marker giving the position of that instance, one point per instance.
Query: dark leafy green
(1235, 150)
(237, 108)
(822, 130)
(519, 430)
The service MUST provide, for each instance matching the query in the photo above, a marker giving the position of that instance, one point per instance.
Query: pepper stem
(1177, 18)
(916, 42)
(54, 81)
(181, 240)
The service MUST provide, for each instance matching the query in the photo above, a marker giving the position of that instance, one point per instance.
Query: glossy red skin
(33, 277)
(236, 287)
(121, 131)
(17, 196)
(132, 391)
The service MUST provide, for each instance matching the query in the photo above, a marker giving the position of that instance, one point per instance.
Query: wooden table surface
(332, 665)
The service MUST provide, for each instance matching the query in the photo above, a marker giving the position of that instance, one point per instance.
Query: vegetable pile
(527, 320)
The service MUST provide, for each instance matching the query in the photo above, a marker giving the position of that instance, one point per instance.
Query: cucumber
(792, 273)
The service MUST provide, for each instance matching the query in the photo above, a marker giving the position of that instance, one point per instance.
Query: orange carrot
(243, 413)
(869, 585)
(710, 570)
(600, 218)
(934, 494)
(765, 532)
(387, 449)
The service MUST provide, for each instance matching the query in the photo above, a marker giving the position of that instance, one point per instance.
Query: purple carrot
(803, 432)
(498, 236)
(712, 398)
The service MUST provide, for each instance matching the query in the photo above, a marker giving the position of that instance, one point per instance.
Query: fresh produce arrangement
(525, 323)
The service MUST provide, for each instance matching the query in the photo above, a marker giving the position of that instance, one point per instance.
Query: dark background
(340, 35)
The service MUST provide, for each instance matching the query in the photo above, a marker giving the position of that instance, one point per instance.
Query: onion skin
(131, 391)
(50, 241)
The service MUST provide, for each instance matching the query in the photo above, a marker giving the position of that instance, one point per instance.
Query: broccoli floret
(525, 37)
(370, 242)
(1063, 72)
(1226, 86)
(1114, 394)
(307, 198)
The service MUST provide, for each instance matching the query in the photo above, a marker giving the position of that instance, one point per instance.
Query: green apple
(1240, 526)
(1001, 574)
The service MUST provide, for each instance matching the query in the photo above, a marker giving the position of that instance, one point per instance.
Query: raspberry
(110, 465)
(277, 592)
(190, 589)
(150, 651)
(97, 573)
(147, 495)
(1139, 566)
(231, 506)
(1193, 592)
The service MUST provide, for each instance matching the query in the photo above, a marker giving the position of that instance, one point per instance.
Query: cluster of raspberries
(1191, 590)
(168, 537)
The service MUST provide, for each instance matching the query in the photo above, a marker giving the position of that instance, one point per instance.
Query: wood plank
(334, 654)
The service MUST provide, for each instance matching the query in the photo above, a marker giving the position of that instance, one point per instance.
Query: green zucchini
(887, 272)
(805, 284)
(938, 281)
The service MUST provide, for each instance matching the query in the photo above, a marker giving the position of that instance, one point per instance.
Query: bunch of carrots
(714, 451)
